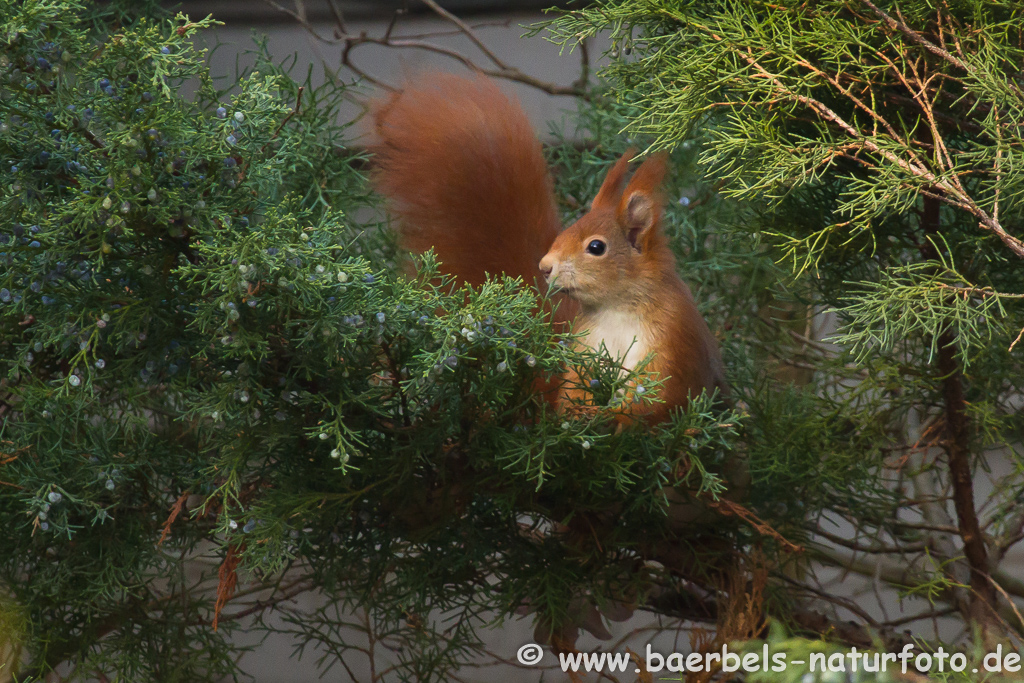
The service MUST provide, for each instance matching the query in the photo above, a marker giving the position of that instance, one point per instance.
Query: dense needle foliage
(211, 370)
(879, 146)
(220, 391)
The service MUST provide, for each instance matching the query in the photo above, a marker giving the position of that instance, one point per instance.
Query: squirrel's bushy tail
(464, 174)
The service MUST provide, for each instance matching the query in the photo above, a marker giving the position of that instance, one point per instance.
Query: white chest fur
(622, 334)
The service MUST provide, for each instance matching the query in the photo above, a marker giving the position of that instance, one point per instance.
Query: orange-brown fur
(465, 175)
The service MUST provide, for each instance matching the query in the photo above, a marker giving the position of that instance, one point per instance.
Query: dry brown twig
(227, 579)
(730, 508)
(176, 509)
(496, 67)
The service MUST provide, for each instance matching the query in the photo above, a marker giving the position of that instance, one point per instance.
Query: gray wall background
(500, 31)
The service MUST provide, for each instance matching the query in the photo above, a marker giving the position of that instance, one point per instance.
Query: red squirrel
(464, 174)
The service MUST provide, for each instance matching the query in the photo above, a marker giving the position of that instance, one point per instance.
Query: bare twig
(498, 67)
(873, 549)
(845, 603)
(1017, 340)
(730, 508)
(469, 33)
(339, 17)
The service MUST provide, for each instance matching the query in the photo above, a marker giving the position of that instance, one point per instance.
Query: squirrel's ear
(640, 206)
(611, 189)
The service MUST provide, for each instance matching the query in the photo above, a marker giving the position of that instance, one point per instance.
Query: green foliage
(220, 391)
(924, 300)
(812, 113)
(875, 150)
(206, 360)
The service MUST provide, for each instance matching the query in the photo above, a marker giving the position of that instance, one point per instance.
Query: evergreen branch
(918, 299)
(954, 194)
(916, 37)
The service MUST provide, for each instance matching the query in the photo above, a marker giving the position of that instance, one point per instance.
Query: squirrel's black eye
(596, 247)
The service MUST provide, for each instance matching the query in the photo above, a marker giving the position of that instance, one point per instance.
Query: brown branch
(983, 292)
(895, 572)
(1006, 596)
(584, 79)
(1010, 583)
(843, 631)
(845, 603)
(396, 381)
(982, 603)
(958, 455)
(848, 93)
(916, 37)
(339, 17)
(939, 528)
(469, 33)
(90, 137)
(998, 164)
(930, 614)
(942, 156)
(506, 23)
(873, 550)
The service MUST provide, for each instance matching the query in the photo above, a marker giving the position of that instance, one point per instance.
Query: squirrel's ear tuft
(611, 189)
(640, 207)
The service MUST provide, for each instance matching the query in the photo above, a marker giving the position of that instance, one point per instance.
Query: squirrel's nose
(546, 265)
